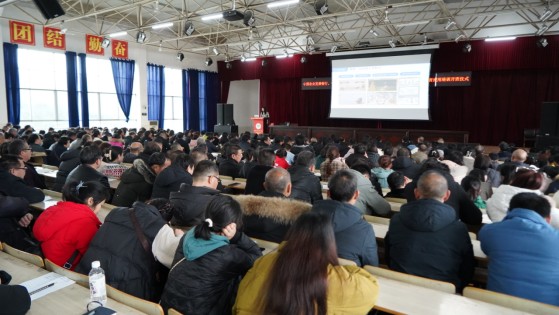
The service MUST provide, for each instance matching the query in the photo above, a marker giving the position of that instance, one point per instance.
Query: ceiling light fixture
(63, 29)
(386, 19)
(250, 59)
(542, 42)
(392, 43)
(243, 58)
(106, 42)
(449, 24)
(119, 34)
(212, 16)
(413, 23)
(160, 46)
(282, 3)
(498, 39)
(321, 7)
(209, 61)
(459, 37)
(248, 18)
(542, 30)
(467, 48)
(215, 51)
(546, 14)
(162, 25)
(140, 37)
(188, 28)
(180, 56)
(333, 49)
(372, 31)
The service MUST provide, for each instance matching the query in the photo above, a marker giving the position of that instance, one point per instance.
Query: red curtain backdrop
(510, 80)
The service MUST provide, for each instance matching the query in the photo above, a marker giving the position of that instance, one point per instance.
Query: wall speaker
(50, 9)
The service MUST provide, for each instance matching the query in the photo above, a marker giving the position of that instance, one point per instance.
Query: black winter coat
(305, 185)
(136, 184)
(69, 160)
(229, 167)
(406, 166)
(170, 180)
(190, 203)
(426, 239)
(11, 210)
(255, 179)
(14, 186)
(128, 267)
(86, 173)
(208, 285)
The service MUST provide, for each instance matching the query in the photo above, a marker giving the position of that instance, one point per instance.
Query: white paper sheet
(36, 285)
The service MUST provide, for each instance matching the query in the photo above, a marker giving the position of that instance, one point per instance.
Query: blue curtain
(156, 93)
(191, 100)
(185, 98)
(212, 98)
(83, 91)
(123, 74)
(72, 83)
(200, 96)
(12, 82)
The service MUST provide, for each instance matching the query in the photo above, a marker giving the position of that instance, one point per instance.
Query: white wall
(245, 96)
(140, 53)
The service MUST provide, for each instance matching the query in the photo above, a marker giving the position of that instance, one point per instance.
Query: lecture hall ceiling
(296, 28)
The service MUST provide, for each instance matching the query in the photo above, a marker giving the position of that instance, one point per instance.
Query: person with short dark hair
(20, 148)
(396, 182)
(306, 185)
(171, 178)
(522, 251)
(405, 164)
(370, 201)
(66, 228)
(91, 159)
(427, 239)
(355, 238)
(135, 149)
(215, 255)
(36, 143)
(256, 177)
(12, 172)
(231, 165)
(304, 276)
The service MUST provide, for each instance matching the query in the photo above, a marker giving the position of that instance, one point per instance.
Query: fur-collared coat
(136, 184)
(269, 218)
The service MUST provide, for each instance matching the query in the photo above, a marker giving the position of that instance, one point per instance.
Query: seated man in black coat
(231, 166)
(171, 178)
(191, 200)
(256, 177)
(427, 239)
(404, 163)
(355, 238)
(20, 148)
(12, 171)
(91, 158)
(14, 218)
(306, 185)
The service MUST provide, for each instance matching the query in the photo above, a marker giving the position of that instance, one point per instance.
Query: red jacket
(281, 162)
(63, 228)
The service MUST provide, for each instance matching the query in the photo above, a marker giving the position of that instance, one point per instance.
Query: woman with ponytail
(304, 276)
(215, 255)
(66, 228)
(112, 159)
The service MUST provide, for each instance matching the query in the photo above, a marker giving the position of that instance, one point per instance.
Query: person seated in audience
(90, 159)
(69, 160)
(231, 165)
(465, 209)
(485, 189)
(355, 238)
(112, 159)
(191, 200)
(491, 176)
(300, 145)
(15, 299)
(525, 180)
(427, 239)
(269, 215)
(472, 186)
(14, 220)
(170, 179)
(359, 156)
(20, 148)
(35, 142)
(370, 202)
(396, 182)
(216, 254)
(405, 164)
(383, 170)
(116, 140)
(60, 147)
(455, 162)
(149, 148)
(280, 160)
(79, 141)
(255, 179)
(249, 162)
(522, 251)
(129, 264)
(136, 183)
(422, 153)
(305, 184)
(168, 238)
(304, 276)
(12, 172)
(333, 163)
(135, 149)
(66, 228)
(504, 151)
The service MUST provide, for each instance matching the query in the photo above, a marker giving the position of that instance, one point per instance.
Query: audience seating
(403, 277)
(173, 311)
(346, 262)
(50, 167)
(80, 279)
(396, 200)
(145, 306)
(375, 219)
(510, 301)
(28, 257)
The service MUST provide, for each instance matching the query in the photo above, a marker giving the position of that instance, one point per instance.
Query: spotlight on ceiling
(180, 56)
(467, 48)
(449, 24)
(215, 51)
(248, 18)
(243, 58)
(63, 29)
(333, 49)
(188, 28)
(140, 37)
(542, 42)
(303, 59)
(105, 43)
(546, 14)
(228, 65)
(264, 62)
(209, 61)
(372, 31)
(542, 30)
(320, 7)
(392, 43)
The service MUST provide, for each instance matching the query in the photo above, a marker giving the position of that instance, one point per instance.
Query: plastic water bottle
(97, 284)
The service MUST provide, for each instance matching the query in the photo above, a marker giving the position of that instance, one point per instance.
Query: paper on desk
(48, 198)
(44, 280)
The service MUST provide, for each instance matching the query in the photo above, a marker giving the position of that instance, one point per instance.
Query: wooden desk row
(51, 173)
(72, 299)
(52, 197)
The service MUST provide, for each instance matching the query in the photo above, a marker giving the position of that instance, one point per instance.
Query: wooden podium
(258, 125)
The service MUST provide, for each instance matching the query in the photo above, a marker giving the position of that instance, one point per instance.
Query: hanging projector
(232, 15)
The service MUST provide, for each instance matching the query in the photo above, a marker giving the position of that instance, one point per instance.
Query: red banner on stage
(52, 38)
(22, 33)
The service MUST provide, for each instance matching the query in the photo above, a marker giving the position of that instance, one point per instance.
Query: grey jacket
(369, 201)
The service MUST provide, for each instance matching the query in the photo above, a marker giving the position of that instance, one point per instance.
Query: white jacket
(498, 204)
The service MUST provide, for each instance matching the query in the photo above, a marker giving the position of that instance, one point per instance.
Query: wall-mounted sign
(52, 38)
(119, 49)
(451, 79)
(22, 33)
(93, 45)
(316, 84)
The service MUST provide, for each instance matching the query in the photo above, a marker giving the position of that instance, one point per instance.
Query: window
(43, 90)
(173, 99)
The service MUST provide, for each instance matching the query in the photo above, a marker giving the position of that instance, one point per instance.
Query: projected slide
(381, 88)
